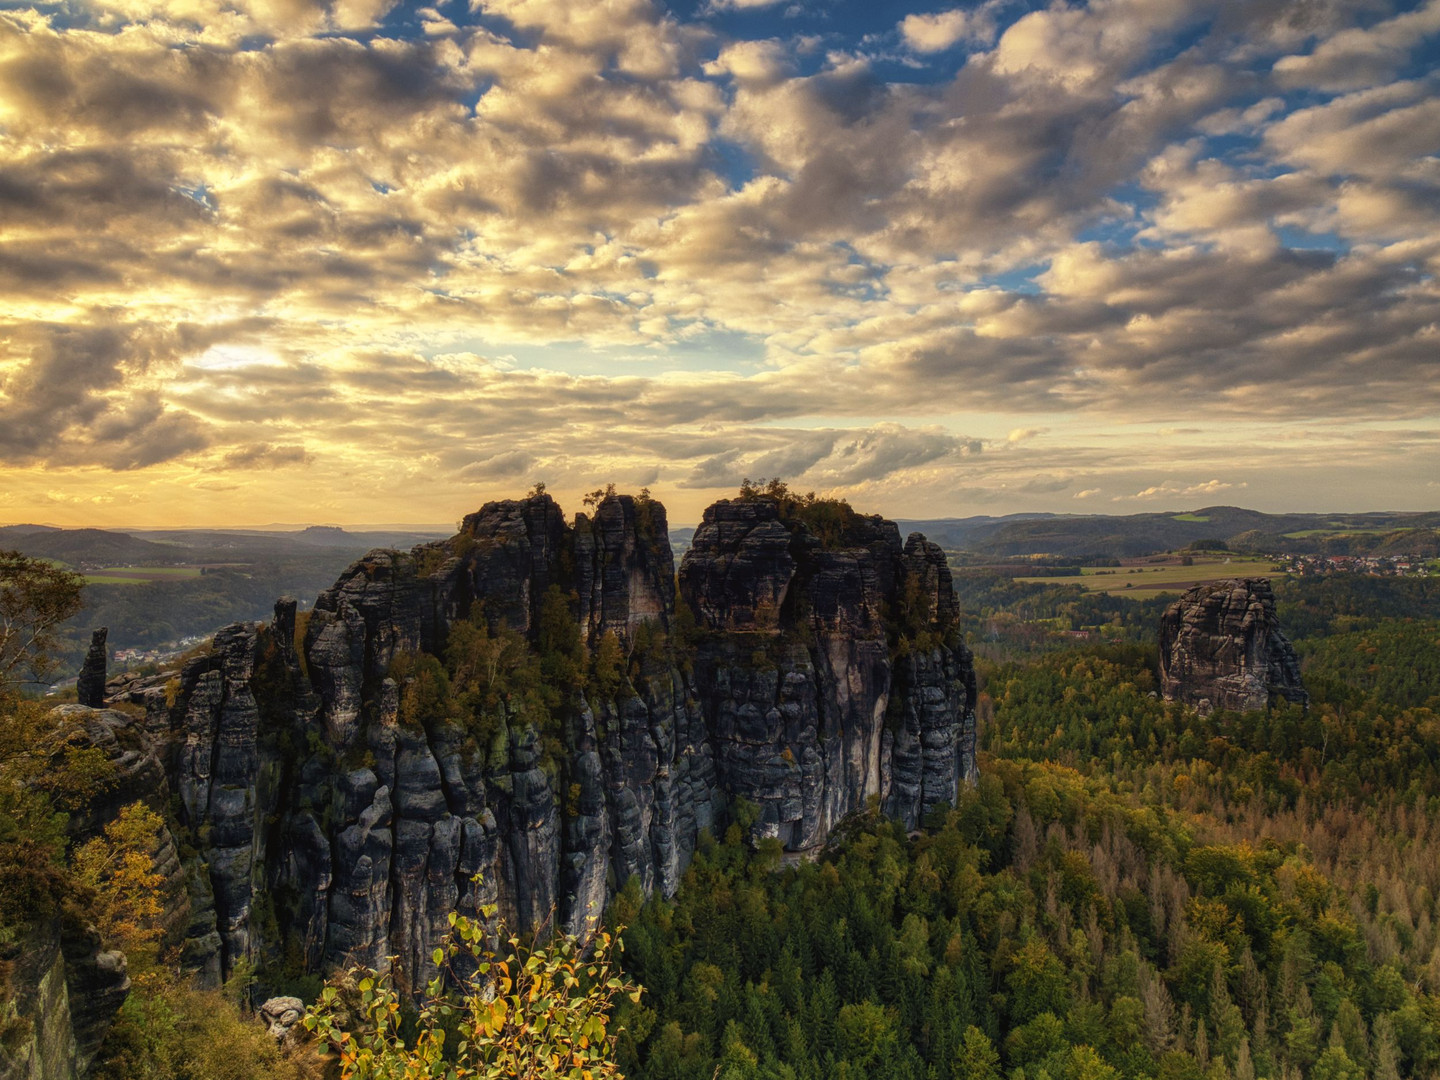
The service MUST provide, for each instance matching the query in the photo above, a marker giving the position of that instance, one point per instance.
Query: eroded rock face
(1221, 648)
(67, 984)
(337, 824)
(814, 698)
(280, 1015)
(64, 992)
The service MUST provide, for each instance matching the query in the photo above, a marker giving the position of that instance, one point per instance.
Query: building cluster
(1385, 565)
(131, 657)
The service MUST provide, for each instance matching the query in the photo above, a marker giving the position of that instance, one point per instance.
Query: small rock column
(91, 682)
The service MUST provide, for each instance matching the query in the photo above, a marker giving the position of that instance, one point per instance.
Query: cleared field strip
(138, 575)
(1140, 579)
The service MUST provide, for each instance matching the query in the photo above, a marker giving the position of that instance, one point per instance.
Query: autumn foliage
(529, 1012)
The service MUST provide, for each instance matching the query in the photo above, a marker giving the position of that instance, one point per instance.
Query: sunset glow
(354, 262)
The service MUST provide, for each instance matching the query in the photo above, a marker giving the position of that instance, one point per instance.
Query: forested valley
(1131, 890)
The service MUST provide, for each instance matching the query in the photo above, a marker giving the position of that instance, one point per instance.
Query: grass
(1141, 580)
(1191, 517)
(139, 575)
(1306, 533)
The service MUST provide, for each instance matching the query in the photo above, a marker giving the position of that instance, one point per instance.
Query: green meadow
(1163, 577)
(139, 575)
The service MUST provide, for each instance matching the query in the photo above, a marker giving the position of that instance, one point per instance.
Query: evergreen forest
(1131, 890)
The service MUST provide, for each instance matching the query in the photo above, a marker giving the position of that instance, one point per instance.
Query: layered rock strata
(63, 992)
(1221, 648)
(350, 776)
(809, 706)
(64, 984)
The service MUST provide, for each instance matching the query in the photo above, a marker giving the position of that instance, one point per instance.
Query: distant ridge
(173, 547)
(405, 528)
(1005, 536)
(86, 545)
(1120, 536)
(22, 529)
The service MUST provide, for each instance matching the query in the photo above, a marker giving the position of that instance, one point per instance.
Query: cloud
(1018, 435)
(502, 466)
(741, 5)
(69, 395)
(1087, 493)
(937, 32)
(1353, 58)
(263, 456)
(753, 62)
(1045, 484)
(831, 458)
(1170, 488)
(258, 236)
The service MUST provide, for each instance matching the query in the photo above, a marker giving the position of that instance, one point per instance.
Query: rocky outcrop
(530, 715)
(133, 768)
(280, 1015)
(835, 674)
(63, 990)
(90, 684)
(96, 984)
(1221, 648)
(65, 983)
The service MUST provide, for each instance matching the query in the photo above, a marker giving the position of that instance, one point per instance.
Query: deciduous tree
(538, 1012)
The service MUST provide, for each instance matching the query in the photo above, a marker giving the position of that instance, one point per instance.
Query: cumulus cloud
(1171, 488)
(1357, 57)
(705, 256)
(945, 29)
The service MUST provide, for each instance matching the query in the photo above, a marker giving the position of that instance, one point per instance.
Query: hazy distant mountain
(1069, 535)
(199, 546)
(966, 534)
(91, 546)
(25, 530)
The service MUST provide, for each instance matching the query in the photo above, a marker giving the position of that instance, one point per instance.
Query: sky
(356, 261)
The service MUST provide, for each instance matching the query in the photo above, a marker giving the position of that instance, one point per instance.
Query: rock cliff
(64, 983)
(534, 703)
(1221, 648)
(63, 992)
(809, 705)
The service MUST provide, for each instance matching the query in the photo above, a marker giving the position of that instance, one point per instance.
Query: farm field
(1305, 534)
(1154, 576)
(139, 575)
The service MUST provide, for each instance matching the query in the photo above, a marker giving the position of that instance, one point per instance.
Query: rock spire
(1221, 648)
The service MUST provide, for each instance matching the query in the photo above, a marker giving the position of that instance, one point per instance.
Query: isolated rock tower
(1221, 648)
(90, 685)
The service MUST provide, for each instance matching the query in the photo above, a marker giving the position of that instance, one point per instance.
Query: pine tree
(976, 1058)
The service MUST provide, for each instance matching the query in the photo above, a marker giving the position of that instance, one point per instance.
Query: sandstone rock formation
(341, 807)
(64, 993)
(1221, 648)
(808, 708)
(90, 685)
(280, 1015)
(65, 985)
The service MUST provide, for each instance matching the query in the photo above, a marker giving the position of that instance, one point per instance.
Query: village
(1383, 565)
